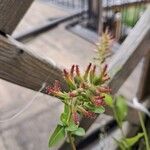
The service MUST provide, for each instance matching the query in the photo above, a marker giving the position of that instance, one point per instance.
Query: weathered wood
(95, 15)
(23, 67)
(11, 12)
(144, 85)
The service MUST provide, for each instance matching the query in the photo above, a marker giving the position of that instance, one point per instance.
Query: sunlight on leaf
(57, 136)
(120, 109)
(79, 132)
(108, 100)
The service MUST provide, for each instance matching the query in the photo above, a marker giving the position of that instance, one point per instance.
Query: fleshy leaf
(99, 110)
(57, 136)
(88, 105)
(131, 141)
(96, 80)
(120, 144)
(72, 127)
(79, 132)
(108, 100)
(63, 118)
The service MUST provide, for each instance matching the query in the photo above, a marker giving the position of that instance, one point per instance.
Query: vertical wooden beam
(95, 15)
(144, 85)
(100, 23)
(11, 12)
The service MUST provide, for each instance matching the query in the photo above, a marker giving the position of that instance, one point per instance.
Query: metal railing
(122, 15)
(70, 4)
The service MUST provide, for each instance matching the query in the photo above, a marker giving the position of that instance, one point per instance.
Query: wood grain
(11, 12)
(144, 86)
(23, 67)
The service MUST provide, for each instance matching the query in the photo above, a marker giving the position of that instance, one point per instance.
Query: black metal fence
(119, 16)
(70, 4)
(122, 15)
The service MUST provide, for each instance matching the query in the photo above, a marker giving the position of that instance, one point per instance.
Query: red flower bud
(106, 78)
(55, 89)
(104, 89)
(94, 69)
(86, 113)
(66, 74)
(77, 71)
(87, 71)
(104, 70)
(98, 100)
(84, 86)
(89, 114)
(57, 85)
(72, 71)
(69, 81)
(75, 118)
(73, 94)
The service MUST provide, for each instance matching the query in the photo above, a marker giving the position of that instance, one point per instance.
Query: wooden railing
(24, 67)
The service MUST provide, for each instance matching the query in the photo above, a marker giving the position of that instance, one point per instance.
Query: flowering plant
(87, 96)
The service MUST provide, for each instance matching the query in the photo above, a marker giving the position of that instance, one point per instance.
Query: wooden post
(118, 26)
(144, 85)
(95, 15)
(11, 12)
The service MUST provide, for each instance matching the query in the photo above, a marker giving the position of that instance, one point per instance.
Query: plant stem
(144, 131)
(71, 142)
(69, 134)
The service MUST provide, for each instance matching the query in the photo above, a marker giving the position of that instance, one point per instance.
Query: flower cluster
(104, 46)
(87, 91)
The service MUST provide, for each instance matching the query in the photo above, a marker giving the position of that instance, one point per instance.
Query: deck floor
(30, 131)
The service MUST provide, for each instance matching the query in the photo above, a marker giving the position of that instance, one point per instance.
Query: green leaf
(72, 127)
(120, 109)
(99, 110)
(63, 118)
(131, 141)
(121, 145)
(89, 105)
(66, 109)
(79, 132)
(57, 136)
(108, 100)
(96, 80)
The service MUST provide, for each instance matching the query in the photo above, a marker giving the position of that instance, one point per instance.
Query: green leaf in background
(79, 132)
(120, 109)
(133, 140)
(72, 127)
(121, 146)
(57, 136)
(99, 110)
(108, 100)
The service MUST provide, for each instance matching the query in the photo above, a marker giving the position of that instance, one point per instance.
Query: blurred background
(64, 32)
